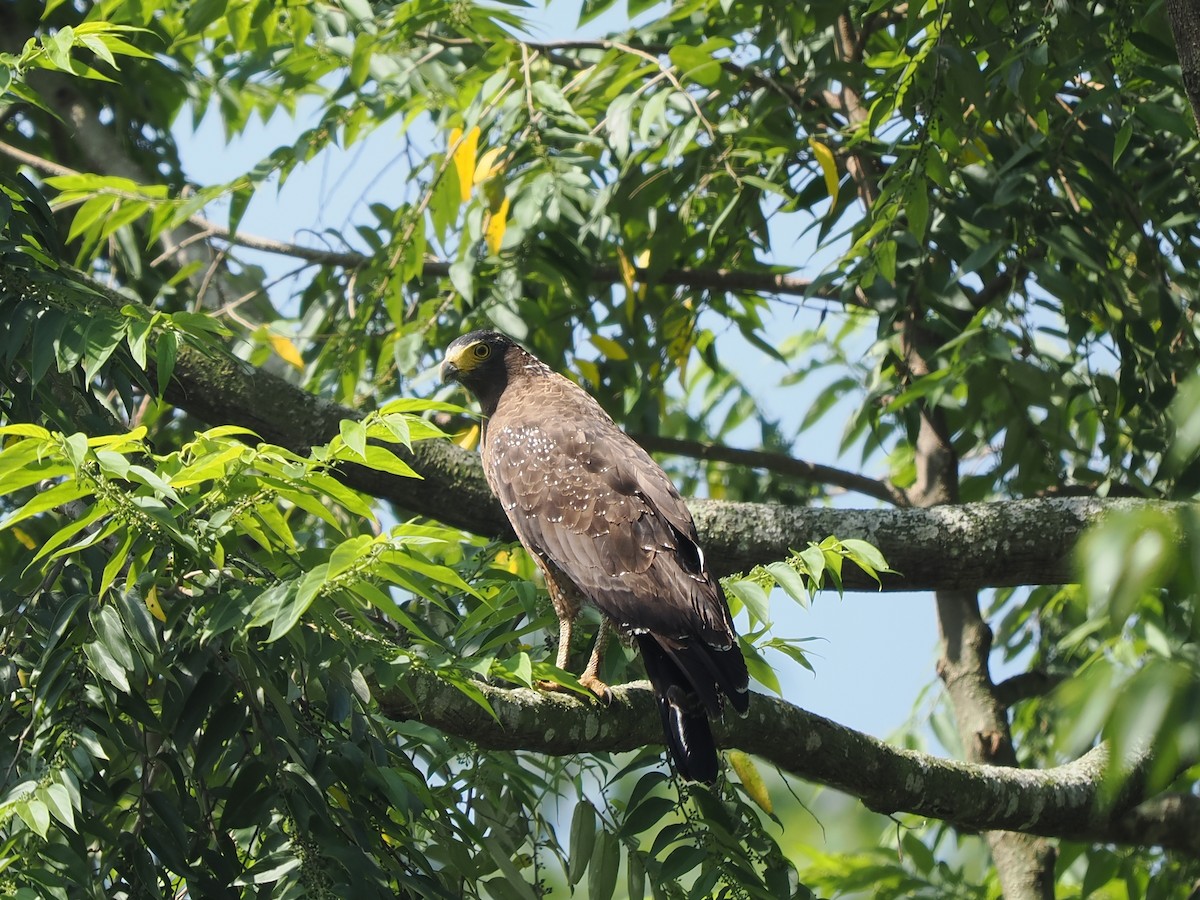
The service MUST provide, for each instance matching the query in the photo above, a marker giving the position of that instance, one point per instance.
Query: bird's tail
(684, 718)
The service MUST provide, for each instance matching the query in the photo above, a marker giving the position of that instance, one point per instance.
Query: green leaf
(166, 351)
(593, 8)
(610, 348)
(58, 802)
(35, 814)
(681, 861)
(106, 666)
(548, 95)
(917, 207)
(65, 492)
(814, 560)
(89, 215)
(386, 604)
(695, 65)
(386, 461)
(347, 553)
(512, 877)
(885, 259)
(758, 667)
(602, 874)
(635, 874)
(69, 531)
(753, 597)
(239, 201)
(462, 277)
(399, 430)
(269, 869)
(297, 603)
(115, 563)
(137, 619)
(354, 435)
(791, 582)
(865, 555)
(112, 633)
(583, 840)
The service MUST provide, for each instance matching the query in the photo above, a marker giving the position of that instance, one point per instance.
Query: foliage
(192, 623)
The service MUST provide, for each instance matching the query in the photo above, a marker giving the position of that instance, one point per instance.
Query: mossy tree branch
(1066, 801)
(957, 546)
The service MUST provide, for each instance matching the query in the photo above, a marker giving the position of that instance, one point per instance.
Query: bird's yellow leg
(590, 678)
(566, 626)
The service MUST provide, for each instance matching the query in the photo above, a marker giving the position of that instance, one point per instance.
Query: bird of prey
(607, 527)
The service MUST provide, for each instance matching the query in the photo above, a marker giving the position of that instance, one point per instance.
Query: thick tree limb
(946, 547)
(949, 547)
(1061, 802)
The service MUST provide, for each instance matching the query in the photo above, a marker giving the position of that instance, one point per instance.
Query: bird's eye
(482, 351)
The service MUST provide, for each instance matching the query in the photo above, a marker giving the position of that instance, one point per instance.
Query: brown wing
(587, 499)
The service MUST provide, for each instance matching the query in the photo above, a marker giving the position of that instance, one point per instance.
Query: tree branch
(699, 279)
(779, 463)
(1065, 801)
(969, 545)
(1026, 685)
(949, 547)
(102, 150)
(554, 49)
(1185, 27)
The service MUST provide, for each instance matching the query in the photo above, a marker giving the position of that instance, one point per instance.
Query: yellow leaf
(628, 272)
(23, 536)
(287, 351)
(468, 438)
(752, 782)
(497, 223)
(589, 370)
(509, 562)
(339, 796)
(463, 146)
(115, 441)
(828, 164)
(973, 152)
(153, 605)
(608, 347)
(487, 165)
(642, 261)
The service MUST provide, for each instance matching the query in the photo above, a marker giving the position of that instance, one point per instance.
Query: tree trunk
(1024, 864)
(1185, 25)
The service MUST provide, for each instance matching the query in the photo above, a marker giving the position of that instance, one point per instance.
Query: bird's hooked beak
(452, 368)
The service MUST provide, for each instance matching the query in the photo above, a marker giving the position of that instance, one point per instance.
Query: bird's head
(477, 362)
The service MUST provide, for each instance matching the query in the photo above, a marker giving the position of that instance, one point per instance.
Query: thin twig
(703, 279)
(779, 463)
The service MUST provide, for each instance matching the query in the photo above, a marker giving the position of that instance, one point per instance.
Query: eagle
(607, 527)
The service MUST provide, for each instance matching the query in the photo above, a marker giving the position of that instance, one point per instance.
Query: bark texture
(1185, 25)
(1024, 864)
(952, 547)
(1066, 801)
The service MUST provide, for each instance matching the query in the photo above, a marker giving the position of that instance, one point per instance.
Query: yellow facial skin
(461, 360)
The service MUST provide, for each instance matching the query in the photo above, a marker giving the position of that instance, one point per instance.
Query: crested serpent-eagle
(607, 527)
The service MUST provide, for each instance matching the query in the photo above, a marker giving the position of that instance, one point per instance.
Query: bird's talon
(599, 688)
(551, 686)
